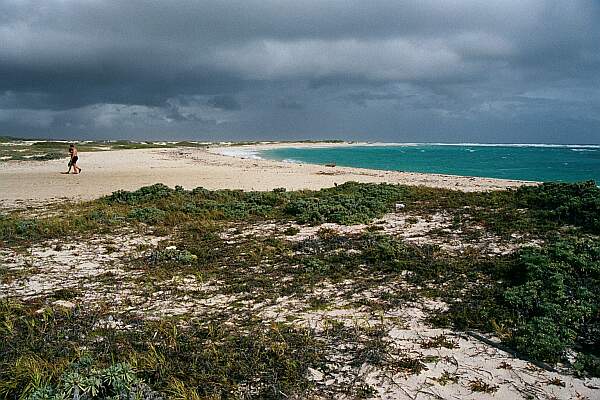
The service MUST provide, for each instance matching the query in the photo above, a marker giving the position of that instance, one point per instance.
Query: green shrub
(587, 363)
(291, 231)
(144, 194)
(350, 203)
(174, 255)
(48, 156)
(542, 301)
(555, 298)
(25, 226)
(147, 214)
(577, 204)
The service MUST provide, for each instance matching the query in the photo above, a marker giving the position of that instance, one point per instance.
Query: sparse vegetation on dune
(238, 301)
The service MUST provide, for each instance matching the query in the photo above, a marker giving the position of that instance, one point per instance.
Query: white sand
(27, 183)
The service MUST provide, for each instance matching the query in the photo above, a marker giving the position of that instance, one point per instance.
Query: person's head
(71, 145)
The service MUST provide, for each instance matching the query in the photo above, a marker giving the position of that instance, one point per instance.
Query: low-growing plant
(171, 254)
(83, 381)
(544, 301)
(437, 342)
(478, 385)
(556, 298)
(213, 360)
(147, 214)
(541, 301)
(291, 231)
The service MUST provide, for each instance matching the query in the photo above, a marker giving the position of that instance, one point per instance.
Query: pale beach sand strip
(29, 183)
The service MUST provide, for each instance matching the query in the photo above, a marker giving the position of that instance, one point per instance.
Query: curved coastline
(520, 161)
(254, 152)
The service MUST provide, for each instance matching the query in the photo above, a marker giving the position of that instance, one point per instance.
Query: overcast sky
(402, 71)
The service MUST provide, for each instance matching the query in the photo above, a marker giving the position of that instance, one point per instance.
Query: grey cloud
(379, 40)
(378, 68)
(224, 103)
(364, 97)
(290, 104)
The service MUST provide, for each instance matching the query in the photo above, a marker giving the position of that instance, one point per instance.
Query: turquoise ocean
(565, 163)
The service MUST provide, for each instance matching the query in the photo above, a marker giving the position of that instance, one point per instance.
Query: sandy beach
(25, 183)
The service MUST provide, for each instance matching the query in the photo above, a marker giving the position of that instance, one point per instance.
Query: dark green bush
(345, 204)
(587, 363)
(555, 299)
(572, 203)
(147, 214)
(144, 194)
(350, 203)
(25, 226)
(172, 255)
(48, 156)
(543, 302)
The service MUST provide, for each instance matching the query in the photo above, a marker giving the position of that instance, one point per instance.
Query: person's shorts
(74, 160)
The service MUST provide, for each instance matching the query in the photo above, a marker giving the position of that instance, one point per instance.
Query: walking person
(74, 159)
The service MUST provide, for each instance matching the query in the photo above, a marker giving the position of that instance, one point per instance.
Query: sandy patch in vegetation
(76, 267)
(435, 229)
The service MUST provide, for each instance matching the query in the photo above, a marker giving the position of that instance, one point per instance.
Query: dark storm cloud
(224, 103)
(290, 104)
(380, 69)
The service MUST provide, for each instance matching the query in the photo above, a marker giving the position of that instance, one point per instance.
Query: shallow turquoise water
(526, 162)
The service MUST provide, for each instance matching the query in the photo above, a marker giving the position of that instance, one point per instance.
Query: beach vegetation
(540, 298)
(544, 301)
(42, 357)
(577, 203)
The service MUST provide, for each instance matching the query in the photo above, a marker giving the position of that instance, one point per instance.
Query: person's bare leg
(75, 169)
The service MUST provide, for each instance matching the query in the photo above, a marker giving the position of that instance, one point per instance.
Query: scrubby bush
(173, 255)
(48, 156)
(543, 302)
(572, 203)
(25, 226)
(144, 194)
(555, 299)
(147, 214)
(349, 203)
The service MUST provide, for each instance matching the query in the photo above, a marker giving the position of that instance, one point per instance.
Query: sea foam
(241, 153)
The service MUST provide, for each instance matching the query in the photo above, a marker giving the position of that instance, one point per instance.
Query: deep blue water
(525, 162)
